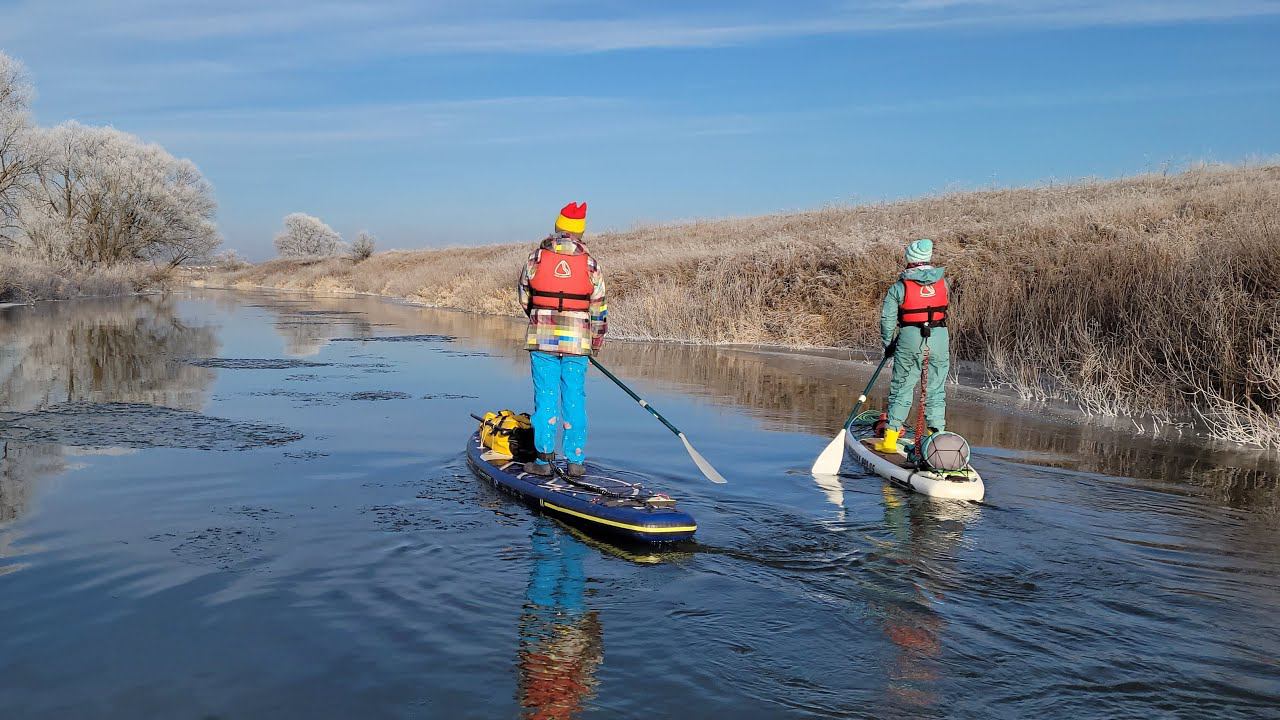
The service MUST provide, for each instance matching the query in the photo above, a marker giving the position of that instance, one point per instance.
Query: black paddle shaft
(863, 397)
(634, 396)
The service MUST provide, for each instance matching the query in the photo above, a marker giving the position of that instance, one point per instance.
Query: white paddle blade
(831, 487)
(828, 463)
(712, 474)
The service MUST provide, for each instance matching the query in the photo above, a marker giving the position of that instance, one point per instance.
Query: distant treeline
(80, 202)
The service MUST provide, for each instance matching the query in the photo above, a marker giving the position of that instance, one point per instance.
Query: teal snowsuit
(906, 360)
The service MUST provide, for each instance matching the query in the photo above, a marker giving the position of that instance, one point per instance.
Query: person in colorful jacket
(562, 291)
(914, 313)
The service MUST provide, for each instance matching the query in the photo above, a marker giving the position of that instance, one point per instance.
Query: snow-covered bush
(306, 236)
(363, 246)
(229, 260)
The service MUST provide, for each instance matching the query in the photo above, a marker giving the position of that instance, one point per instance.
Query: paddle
(828, 463)
(711, 473)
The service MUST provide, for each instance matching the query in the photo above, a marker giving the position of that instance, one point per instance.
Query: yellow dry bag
(507, 433)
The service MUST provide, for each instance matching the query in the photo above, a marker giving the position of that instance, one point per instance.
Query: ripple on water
(135, 425)
(237, 545)
(254, 363)
(399, 338)
(333, 398)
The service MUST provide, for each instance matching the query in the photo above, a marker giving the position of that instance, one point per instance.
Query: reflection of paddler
(561, 642)
(910, 631)
(914, 627)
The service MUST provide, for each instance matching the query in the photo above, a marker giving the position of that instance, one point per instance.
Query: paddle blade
(712, 474)
(828, 463)
(831, 487)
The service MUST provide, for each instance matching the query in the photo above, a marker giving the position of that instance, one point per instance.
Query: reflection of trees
(306, 327)
(561, 641)
(304, 338)
(119, 350)
(804, 393)
(18, 462)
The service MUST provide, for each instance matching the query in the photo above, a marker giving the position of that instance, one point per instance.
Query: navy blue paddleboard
(596, 502)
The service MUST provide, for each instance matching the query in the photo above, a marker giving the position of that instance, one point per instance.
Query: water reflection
(307, 331)
(112, 351)
(925, 537)
(812, 394)
(561, 641)
(118, 350)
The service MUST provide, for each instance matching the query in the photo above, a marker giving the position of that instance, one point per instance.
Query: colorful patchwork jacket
(567, 332)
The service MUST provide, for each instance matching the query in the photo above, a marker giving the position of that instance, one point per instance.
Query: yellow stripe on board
(614, 523)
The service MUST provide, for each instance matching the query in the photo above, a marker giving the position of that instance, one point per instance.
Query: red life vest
(561, 282)
(923, 304)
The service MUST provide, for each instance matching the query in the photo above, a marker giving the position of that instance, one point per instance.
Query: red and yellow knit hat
(573, 218)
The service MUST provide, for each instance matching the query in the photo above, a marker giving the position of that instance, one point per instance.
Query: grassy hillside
(1150, 295)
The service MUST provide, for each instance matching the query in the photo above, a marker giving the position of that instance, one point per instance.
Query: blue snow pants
(560, 399)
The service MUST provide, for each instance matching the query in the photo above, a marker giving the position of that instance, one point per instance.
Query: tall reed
(1152, 295)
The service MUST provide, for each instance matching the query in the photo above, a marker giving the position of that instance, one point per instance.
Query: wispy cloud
(693, 29)
(573, 26)
(220, 45)
(514, 120)
(1009, 101)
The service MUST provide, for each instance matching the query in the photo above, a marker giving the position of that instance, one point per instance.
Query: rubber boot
(542, 466)
(889, 444)
(576, 470)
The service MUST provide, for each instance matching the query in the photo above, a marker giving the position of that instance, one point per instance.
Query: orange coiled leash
(924, 384)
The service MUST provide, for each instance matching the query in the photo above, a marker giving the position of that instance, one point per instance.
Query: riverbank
(1147, 296)
(24, 281)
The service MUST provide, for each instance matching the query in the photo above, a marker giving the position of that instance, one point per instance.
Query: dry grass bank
(1149, 295)
(24, 280)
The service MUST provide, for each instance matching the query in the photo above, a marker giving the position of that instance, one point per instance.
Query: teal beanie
(920, 251)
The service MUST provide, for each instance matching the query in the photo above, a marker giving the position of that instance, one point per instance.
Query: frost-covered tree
(362, 247)
(17, 157)
(104, 196)
(229, 260)
(306, 236)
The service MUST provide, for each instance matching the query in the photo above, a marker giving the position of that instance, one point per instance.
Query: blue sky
(449, 122)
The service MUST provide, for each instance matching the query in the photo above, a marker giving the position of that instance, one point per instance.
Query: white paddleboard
(897, 469)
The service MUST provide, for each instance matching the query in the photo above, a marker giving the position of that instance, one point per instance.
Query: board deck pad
(898, 458)
(611, 489)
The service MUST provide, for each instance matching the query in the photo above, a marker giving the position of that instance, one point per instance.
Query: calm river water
(258, 506)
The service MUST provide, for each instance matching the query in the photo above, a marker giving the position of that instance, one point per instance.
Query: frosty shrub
(306, 236)
(229, 260)
(363, 246)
